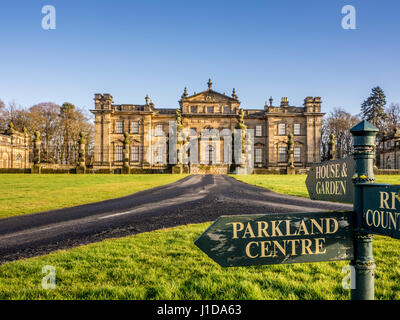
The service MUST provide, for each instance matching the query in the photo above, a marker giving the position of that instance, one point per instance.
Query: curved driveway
(193, 199)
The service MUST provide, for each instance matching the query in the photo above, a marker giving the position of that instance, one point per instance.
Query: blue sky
(261, 48)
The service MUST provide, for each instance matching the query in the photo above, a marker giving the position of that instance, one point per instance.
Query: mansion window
(120, 127)
(135, 126)
(18, 161)
(210, 154)
(282, 129)
(118, 153)
(135, 154)
(296, 129)
(193, 132)
(258, 131)
(258, 155)
(210, 109)
(227, 157)
(159, 130)
(160, 154)
(297, 154)
(227, 109)
(282, 154)
(193, 109)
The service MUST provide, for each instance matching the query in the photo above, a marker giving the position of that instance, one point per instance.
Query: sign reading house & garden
(332, 181)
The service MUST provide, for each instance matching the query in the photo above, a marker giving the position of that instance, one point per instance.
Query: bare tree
(59, 127)
(2, 115)
(15, 113)
(392, 121)
(44, 118)
(338, 122)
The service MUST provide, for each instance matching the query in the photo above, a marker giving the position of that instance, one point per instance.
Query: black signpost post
(325, 236)
(364, 135)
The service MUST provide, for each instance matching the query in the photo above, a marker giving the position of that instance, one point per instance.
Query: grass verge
(295, 185)
(165, 264)
(25, 193)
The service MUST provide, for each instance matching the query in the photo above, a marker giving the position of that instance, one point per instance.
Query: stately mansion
(117, 124)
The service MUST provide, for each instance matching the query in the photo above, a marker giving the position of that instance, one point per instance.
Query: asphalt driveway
(193, 199)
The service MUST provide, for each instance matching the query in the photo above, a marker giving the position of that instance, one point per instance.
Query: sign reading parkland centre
(281, 238)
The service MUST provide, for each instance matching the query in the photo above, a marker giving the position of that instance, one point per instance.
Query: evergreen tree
(373, 109)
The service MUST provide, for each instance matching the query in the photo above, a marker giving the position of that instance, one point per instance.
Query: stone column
(81, 164)
(241, 167)
(147, 141)
(290, 155)
(331, 147)
(178, 167)
(126, 168)
(36, 153)
(26, 144)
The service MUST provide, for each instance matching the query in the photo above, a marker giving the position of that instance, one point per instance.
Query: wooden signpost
(279, 238)
(381, 210)
(332, 181)
(247, 240)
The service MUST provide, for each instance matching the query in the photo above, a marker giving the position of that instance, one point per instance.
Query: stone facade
(14, 149)
(388, 152)
(207, 110)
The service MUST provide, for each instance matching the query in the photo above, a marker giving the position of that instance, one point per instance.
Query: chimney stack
(285, 102)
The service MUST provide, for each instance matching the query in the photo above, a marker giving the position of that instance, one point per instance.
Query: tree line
(59, 127)
(374, 109)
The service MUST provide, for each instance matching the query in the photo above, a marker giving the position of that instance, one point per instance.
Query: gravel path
(194, 199)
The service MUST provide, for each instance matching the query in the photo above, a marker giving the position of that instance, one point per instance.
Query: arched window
(5, 160)
(18, 161)
(210, 154)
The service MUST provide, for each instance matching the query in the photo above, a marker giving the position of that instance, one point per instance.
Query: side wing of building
(14, 150)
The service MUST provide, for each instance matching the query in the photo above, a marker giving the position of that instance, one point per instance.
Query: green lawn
(165, 264)
(295, 185)
(25, 193)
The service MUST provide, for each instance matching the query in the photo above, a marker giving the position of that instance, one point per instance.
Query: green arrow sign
(381, 209)
(279, 238)
(332, 181)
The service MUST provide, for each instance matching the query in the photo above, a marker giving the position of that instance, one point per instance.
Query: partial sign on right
(381, 209)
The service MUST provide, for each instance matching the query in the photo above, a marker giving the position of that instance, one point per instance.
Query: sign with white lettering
(279, 238)
(381, 209)
(332, 181)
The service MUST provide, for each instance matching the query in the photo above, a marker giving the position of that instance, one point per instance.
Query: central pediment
(210, 96)
(209, 102)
